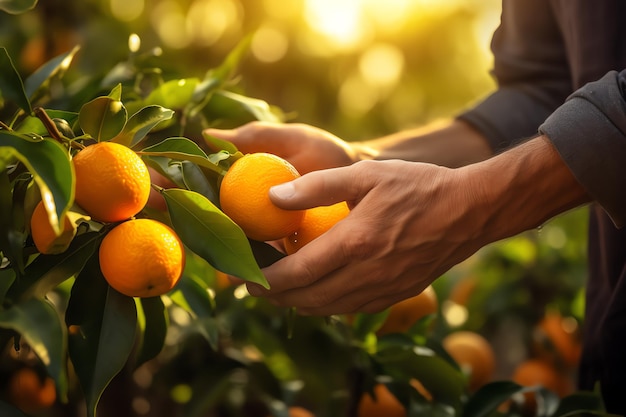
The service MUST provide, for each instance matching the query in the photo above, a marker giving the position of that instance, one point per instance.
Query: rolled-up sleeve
(589, 132)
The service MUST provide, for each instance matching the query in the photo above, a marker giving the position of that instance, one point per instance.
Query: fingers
(325, 187)
(256, 137)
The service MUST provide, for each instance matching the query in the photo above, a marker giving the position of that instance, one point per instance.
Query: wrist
(521, 189)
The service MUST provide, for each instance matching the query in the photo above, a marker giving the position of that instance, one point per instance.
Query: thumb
(318, 188)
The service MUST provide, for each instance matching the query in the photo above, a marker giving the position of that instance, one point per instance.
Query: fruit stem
(52, 128)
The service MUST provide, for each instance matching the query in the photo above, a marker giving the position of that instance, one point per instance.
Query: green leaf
(33, 125)
(50, 164)
(11, 84)
(487, 399)
(108, 322)
(439, 377)
(212, 235)
(173, 94)
(7, 410)
(7, 278)
(181, 149)
(219, 144)
(38, 83)
(191, 294)
(17, 6)
(48, 271)
(239, 109)
(196, 180)
(102, 118)
(154, 322)
(579, 402)
(141, 123)
(39, 324)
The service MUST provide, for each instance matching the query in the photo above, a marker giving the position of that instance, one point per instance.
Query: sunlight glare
(127, 10)
(339, 21)
(382, 65)
(168, 19)
(269, 44)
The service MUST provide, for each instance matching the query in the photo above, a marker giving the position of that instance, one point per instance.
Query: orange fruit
(142, 258)
(556, 339)
(296, 411)
(316, 221)
(385, 404)
(463, 290)
(29, 392)
(45, 238)
(112, 182)
(474, 355)
(244, 196)
(406, 313)
(539, 372)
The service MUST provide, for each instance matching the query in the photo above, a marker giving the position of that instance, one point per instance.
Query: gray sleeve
(589, 132)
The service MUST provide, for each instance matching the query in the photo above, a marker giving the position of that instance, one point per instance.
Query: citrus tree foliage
(202, 342)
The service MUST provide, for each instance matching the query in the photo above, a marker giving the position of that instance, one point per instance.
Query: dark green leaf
(208, 232)
(39, 324)
(7, 410)
(11, 84)
(141, 123)
(17, 6)
(181, 149)
(48, 271)
(240, 108)
(154, 325)
(489, 397)
(439, 377)
(37, 83)
(50, 164)
(7, 278)
(579, 402)
(196, 180)
(264, 253)
(108, 322)
(102, 118)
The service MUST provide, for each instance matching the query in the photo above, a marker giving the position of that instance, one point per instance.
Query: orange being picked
(244, 196)
(474, 355)
(30, 392)
(404, 314)
(112, 182)
(45, 238)
(142, 258)
(316, 221)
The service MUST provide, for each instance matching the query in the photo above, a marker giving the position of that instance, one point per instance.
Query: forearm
(522, 188)
(452, 144)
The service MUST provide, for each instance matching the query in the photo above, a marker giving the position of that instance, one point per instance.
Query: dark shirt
(557, 65)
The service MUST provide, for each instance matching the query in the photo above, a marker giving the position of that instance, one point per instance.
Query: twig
(52, 128)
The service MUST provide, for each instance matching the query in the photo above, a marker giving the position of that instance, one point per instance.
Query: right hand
(306, 147)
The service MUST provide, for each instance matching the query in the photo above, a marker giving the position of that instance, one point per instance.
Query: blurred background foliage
(359, 69)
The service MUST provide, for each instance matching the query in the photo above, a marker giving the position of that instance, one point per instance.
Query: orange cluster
(138, 257)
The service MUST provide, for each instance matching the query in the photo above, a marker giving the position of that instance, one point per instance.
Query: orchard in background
(114, 296)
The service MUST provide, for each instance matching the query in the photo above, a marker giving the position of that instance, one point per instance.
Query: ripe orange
(142, 258)
(405, 313)
(296, 411)
(538, 372)
(385, 404)
(473, 353)
(112, 182)
(555, 338)
(244, 196)
(315, 222)
(29, 392)
(45, 239)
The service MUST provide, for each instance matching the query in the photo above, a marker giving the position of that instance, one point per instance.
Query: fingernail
(283, 191)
